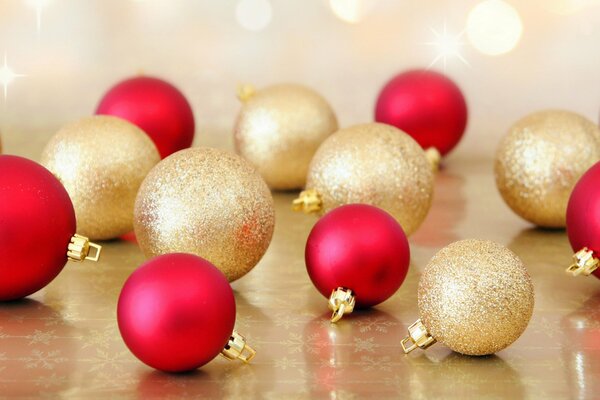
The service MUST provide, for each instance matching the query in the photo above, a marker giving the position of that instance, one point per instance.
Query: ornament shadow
(446, 213)
(197, 383)
(38, 350)
(463, 376)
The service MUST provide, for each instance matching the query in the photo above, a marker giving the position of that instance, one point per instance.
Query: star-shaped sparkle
(447, 46)
(7, 75)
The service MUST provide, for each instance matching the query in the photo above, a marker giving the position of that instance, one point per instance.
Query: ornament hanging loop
(341, 302)
(434, 157)
(309, 201)
(245, 91)
(238, 349)
(417, 337)
(585, 263)
(79, 249)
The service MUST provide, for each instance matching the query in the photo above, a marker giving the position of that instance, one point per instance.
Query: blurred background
(509, 57)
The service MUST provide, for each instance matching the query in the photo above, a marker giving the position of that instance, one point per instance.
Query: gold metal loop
(585, 263)
(245, 92)
(341, 302)
(309, 201)
(434, 157)
(238, 349)
(418, 336)
(79, 249)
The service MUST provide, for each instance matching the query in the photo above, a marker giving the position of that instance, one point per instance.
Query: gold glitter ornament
(374, 164)
(102, 162)
(474, 296)
(278, 130)
(540, 160)
(207, 202)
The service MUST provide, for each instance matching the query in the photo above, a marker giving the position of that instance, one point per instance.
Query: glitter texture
(541, 159)
(279, 129)
(102, 162)
(374, 164)
(475, 297)
(207, 202)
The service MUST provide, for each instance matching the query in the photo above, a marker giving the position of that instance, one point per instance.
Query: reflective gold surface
(63, 341)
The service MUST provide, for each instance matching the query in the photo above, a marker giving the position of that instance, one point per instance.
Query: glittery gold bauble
(279, 129)
(102, 162)
(476, 297)
(540, 160)
(374, 164)
(207, 202)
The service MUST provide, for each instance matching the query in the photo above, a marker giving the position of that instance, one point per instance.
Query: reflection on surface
(582, 352)
(447, 211)
(34, 337)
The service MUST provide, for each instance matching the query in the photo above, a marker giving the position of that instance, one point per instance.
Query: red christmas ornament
(583, 223)
(176, 312)
(425, 104)
(157, 107)
(357, 255)
(37, 228)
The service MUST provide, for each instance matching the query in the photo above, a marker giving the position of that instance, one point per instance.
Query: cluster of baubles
(205, 217)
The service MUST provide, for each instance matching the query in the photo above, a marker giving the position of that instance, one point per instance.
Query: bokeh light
(351, 11)
(254, 15)
(494, 27)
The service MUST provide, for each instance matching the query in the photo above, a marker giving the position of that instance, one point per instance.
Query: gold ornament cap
(238, 349)
(418, 337)
(80, 248)
(308, 201)
(584, 263)
(341, 301)
(474, 296)
(434, 157)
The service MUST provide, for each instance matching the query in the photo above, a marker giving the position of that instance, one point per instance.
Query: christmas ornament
(357, 255)
(583, 223)
(373, 164)
(279, 129)
(540, 160)
(157, 107)
(176, 312)
(475, 296)
(101, 161)
(37, 229)
(425, 104)
(207, 202)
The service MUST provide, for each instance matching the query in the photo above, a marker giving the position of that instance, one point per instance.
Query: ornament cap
(245, 91)
(238, 349)
(309, 201)
(341, 302)
(418, 336)
(585, 263)
(434, 157)
(79, 249)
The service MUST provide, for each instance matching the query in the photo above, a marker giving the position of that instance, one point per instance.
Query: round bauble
(157, 107)
(583, 223)
(356, 255)
(425, 104)
(37, 228)
(207, 202)
(176, 312)
(279, 129)
(540, 160)
(102, 162)
(475, 296)
(372, 164)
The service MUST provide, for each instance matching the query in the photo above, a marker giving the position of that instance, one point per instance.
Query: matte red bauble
(357, 255)
(583, 223)
(37, 228)
(425, 104)
(157, 107)
(176, 312)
